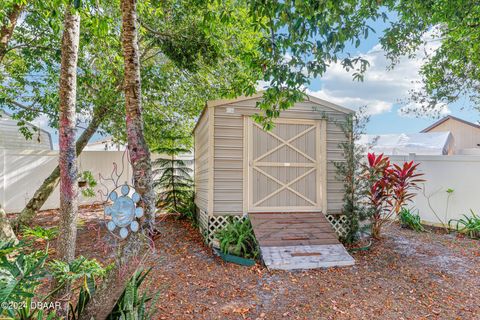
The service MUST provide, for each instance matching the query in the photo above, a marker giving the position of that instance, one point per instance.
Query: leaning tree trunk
(49, 184)
(67, 155)
(112, 287)
(6, 32)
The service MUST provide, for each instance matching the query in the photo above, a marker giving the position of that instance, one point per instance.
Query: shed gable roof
(445, 119)
(310, 98)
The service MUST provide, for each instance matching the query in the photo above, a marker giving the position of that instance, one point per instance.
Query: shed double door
(284, 166)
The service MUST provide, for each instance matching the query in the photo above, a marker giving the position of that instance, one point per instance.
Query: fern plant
(20, 276)
(173, 178)
(238, 238)
(410, 220)
(467, 225)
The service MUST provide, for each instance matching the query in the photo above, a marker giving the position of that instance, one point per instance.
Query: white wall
(23, 171)
(458, 172)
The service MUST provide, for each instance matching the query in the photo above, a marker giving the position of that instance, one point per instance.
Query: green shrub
(20, 276)
(467, 225)
(132, 305)
(410, 220)
(80, 268)
(187, 209)
(23, 270)
(46, 234)
(238, 238)
(173, 178)
(348, 171)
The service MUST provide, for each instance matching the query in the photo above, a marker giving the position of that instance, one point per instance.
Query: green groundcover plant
(410, 220)
(237, 238)
(469, 225)
(24, 270)
(132, 304)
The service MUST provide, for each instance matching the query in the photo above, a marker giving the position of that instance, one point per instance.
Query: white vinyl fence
(23, 171)
(451, 188)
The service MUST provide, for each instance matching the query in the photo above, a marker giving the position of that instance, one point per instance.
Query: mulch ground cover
(407, 275)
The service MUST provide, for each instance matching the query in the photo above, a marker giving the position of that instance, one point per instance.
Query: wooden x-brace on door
(284, 166)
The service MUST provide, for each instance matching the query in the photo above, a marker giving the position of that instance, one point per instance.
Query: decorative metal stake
(124, 210)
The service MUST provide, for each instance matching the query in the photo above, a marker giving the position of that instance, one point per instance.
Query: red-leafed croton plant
(390, 186)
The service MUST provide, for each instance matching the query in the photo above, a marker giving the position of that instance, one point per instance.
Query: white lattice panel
(215, 224)
(210, 225)
(339, 223)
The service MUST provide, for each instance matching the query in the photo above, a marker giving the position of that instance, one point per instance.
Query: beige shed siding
(228, 152)
(201, 162)
(228, 164)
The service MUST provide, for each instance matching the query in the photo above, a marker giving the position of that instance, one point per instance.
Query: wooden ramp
(292, 241)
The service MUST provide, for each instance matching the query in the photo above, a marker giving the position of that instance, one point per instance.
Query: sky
(382, 90)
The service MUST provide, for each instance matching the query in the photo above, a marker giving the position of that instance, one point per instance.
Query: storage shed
(241, 169)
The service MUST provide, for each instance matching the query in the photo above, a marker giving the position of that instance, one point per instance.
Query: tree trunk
(110, 290)
(137, 146)
(6, 31)
(376, 226)
(67, 154)
(45, 190)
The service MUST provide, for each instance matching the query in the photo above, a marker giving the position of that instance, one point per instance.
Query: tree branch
(160, 34)
(29, 108)
(6, 31)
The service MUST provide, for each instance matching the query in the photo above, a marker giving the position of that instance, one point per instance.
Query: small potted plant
(86, 182)
(238, 243)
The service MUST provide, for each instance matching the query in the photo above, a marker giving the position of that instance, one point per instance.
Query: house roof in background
(444, 119)
(426, 143)
(9, 117)
(106, 144)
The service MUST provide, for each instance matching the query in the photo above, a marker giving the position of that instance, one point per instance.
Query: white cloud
(381, 88)
(409, 111)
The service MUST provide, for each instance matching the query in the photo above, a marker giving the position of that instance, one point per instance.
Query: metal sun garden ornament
(124, 210)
